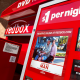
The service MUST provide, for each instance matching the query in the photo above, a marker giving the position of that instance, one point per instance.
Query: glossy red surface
(11, 10)
(71, 45)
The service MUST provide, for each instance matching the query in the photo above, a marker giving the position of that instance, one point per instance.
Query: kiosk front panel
(21, 16)
(58, 24)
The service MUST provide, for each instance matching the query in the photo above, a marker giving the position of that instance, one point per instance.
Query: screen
(78, 41)
(51, 49)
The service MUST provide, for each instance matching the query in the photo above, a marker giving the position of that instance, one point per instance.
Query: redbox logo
(17, 29)
(46, 17)
(23, 3)
(45, 66)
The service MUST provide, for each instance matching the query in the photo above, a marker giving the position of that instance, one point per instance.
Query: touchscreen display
(51, 50)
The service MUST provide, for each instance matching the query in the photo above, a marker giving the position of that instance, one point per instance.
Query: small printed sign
(10, 48)
(12, 59)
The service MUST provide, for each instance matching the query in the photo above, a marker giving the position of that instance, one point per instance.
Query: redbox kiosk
(9, 54)
(21, 16)
(58, 22)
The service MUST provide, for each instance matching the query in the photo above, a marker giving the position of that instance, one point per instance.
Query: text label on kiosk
(23, 3)
(64, 13)
(19, 27)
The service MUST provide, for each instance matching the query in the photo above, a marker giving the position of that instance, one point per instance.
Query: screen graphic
(51, 49)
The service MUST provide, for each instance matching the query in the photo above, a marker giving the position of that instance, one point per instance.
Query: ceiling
(3, 5)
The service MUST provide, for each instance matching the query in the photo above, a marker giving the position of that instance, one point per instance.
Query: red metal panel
(22, 54)
(7, 68)
(13, 8)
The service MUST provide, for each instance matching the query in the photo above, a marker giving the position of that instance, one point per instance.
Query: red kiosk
(57, 21)
(21, 16)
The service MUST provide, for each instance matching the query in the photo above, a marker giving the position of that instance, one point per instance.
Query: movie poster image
(78, 42)
(51, 49)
